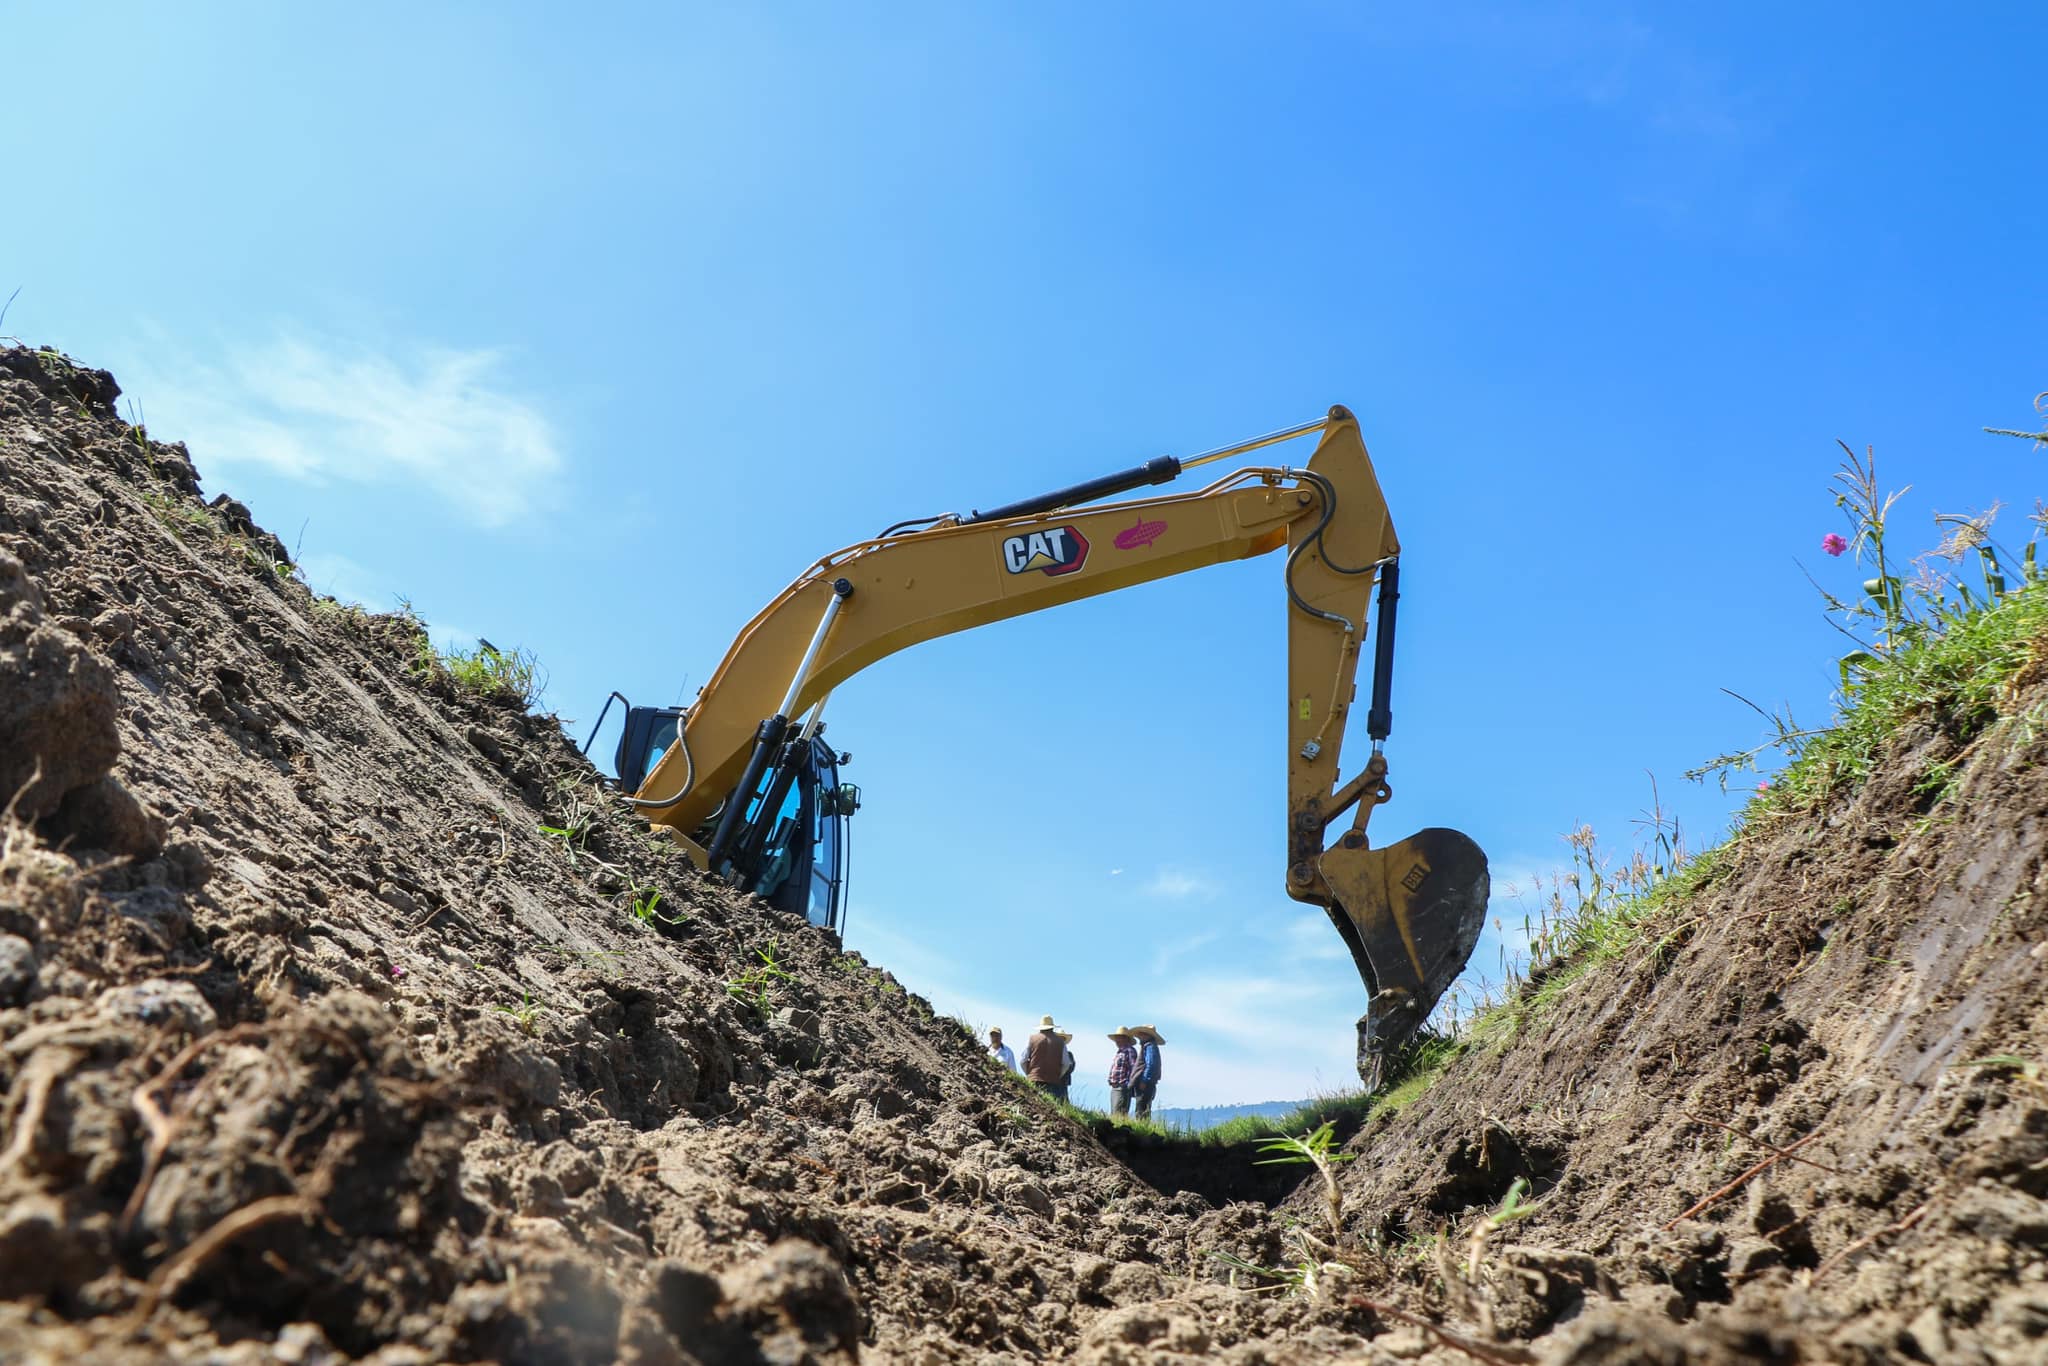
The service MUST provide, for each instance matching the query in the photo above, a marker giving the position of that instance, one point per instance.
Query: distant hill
(1209, 1116)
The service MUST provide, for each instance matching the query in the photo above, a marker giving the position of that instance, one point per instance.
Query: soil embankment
(1805, 1117)
(316, 1046)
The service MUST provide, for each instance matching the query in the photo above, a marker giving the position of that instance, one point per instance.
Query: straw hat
(1122, 1034)
(1145, 1032)
(1045, 1022)
(1063, 1036)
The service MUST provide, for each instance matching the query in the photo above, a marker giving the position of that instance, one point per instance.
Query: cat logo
(1060, 550)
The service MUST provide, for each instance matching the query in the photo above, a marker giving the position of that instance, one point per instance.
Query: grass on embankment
(1938, 653)
(1930, 650)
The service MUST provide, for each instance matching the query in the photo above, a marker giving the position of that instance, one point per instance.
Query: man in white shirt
(1000, 1051)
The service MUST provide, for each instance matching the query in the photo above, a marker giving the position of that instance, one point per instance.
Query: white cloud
(1260, 1016)
(1310, 936)
(1173, 949)
(1243, 1039)
(1180, 884)
(321, 411)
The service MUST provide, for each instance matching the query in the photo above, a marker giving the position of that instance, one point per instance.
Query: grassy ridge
(1951, 659)
(1939, 654)
(1959, 677)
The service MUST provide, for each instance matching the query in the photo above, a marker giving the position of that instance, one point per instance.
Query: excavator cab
(792, 846)
(647, 734)
(792, 853)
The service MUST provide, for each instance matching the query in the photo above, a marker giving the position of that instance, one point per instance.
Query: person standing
(1147, 1084)
(1121, 1072)
(1066, 1065)
(1045, 1057)
(1000, 1051)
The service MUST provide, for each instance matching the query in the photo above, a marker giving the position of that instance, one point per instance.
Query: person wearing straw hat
(1121, 1071)
(1045, 1055)
(1066, 1064)
(1146, 1084)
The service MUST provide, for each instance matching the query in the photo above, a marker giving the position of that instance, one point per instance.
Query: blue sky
(588, 334)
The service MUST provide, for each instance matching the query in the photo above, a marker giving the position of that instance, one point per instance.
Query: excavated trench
(1220, 1173)
(316, 1046)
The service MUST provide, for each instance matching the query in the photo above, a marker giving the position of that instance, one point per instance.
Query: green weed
(752, 988)
(485, 671)
(350, 614)
(1317, 1149)
(1940, 644)
(1513, 1207)
(180, 516)
(572, 826)
(646, 908)
(1287, 1279)
(571, 837)
(490, 672)
(1315, 1255)
(2008, 1062)
(259, 560)
(526, 1013)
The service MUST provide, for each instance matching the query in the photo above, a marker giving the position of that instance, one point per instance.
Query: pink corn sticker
(1139, 536)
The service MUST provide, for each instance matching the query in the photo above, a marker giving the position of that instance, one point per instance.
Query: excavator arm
(1410, 912)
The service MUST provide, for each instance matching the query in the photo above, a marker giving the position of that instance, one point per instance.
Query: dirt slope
(315, 1046)
(1835, 985)
(307, 1028)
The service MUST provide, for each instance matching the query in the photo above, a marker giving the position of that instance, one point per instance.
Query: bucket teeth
(1413, 911)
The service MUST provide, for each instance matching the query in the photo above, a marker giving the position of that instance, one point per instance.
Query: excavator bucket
(1411, 912)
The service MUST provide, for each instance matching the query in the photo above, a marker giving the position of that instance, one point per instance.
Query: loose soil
(316, 1047)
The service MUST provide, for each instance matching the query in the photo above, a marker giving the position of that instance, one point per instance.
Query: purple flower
(397, 971)
(1833, 544)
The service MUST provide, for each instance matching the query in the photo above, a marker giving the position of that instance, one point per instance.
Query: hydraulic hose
(1383, 659)
(689, 777)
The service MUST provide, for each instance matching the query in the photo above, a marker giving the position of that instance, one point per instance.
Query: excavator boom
(1410, 912)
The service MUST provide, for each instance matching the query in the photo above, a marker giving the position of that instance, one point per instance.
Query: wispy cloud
(1180, 884)
(1310, 935)
(1258, 1016)
(321, 411)
(1172, 950)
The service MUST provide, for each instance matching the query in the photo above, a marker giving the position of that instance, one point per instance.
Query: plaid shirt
(1125, 1067)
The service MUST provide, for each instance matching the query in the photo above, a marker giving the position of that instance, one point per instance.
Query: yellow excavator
(746, 783)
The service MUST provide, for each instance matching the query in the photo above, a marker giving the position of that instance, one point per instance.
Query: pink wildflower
(1764, 786)
(397, 971)
(1833, 544)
